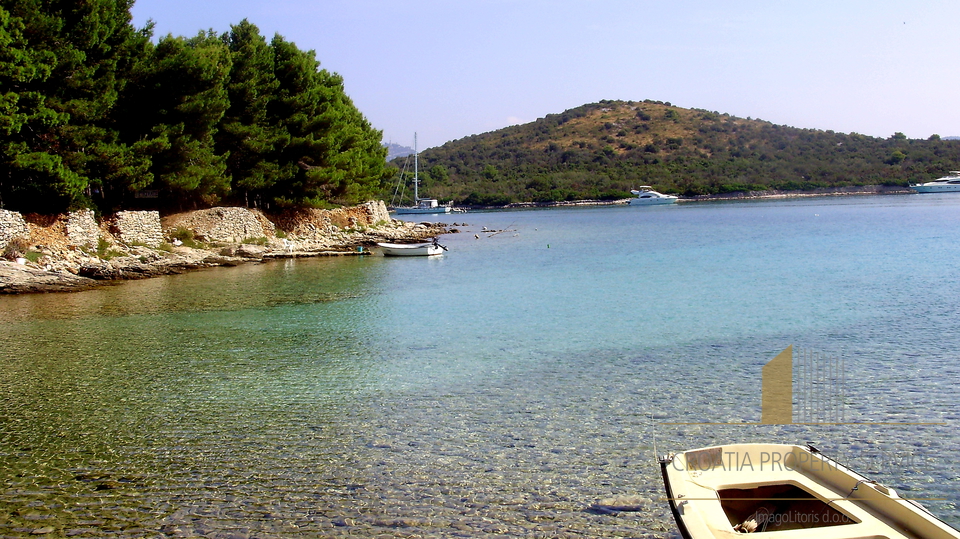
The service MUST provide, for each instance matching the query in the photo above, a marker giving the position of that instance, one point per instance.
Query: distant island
(395, 150)
(601, 151)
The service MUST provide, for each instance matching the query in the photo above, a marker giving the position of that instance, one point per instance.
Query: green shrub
(106, 251)
(185, 235)
(16, 248)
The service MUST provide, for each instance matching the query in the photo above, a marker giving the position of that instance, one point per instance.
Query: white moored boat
(646, 196)
(946, 184)
(412, 249)
(421, 205)
(786, 492)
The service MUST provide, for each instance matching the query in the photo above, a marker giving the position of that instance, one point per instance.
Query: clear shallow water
(498, 390)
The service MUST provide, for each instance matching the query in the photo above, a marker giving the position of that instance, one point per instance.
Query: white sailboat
(422, 205)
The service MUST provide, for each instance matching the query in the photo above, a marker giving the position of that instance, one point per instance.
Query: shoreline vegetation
(744, 195)
(189, 244)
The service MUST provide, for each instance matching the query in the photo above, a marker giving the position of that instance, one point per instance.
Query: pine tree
(175, 100)
(246, 136)
(62, 67)
(337, 154)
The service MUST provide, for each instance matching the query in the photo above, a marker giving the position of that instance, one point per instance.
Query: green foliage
(186, 237)
(91, 112)
(106, 251)
(246, 136)
(175, 100)
(15, 248)
(333, 155)
(896, 157)
(62, 68)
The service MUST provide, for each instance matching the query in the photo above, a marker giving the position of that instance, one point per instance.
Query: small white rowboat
(786, 492)
(413, 249)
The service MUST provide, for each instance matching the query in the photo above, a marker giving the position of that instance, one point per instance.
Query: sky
(447, 69)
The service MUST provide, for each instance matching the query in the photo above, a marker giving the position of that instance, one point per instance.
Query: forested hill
(602, 150)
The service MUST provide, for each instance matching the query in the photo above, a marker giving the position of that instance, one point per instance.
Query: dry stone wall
(135, 227)
(221, 225)
(12, 226)
(82, 229)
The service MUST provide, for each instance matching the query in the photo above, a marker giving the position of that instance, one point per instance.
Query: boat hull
(423, 249)
(646, 196)
(652, 201)
(438, 209)
(942, 188)
(946, 184)
(724, 491)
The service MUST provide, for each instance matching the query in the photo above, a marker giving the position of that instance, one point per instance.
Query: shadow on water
(248, 286)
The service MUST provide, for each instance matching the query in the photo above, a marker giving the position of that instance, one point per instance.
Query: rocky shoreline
(233, 236)
(193, 240)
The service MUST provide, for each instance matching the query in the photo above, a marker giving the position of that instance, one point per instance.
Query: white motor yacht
(946, 184)
(646, 196)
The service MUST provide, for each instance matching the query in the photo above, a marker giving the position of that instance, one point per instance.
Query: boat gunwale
(908, 514)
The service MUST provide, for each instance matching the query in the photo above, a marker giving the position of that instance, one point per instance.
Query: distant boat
(421, 205)
(945, 184)
(786, 491)
(412, 249)
(646, 196)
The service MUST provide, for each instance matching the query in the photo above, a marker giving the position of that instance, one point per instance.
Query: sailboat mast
(416, 167)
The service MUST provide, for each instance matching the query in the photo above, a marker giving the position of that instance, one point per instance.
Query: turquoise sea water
(496, 391)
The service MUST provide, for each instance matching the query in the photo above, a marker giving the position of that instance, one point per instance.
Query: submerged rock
(621, 503)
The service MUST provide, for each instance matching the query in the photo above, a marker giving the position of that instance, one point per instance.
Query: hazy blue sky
(452, 68)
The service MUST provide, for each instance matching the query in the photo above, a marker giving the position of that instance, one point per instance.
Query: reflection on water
(499, 390)
(248, 286)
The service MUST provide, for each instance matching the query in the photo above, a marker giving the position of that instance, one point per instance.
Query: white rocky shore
(75, 252)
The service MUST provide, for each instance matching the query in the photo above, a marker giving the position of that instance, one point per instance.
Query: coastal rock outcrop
(72, 251)
(20, 279)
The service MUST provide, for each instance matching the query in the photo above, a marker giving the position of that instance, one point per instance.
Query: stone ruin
(82, 229)
(12, 226)
(307, 222)
(139, 227)
(220, 225)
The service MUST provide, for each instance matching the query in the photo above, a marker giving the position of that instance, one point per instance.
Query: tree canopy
(93, 112)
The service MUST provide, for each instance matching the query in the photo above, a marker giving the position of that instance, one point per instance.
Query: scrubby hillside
(603, 150)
